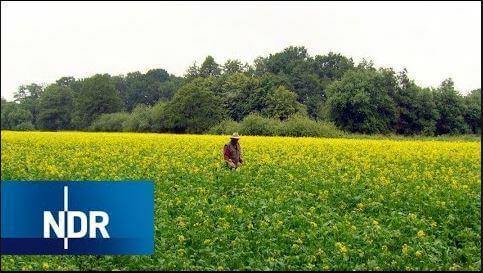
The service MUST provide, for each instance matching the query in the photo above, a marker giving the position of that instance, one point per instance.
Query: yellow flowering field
(297, 203)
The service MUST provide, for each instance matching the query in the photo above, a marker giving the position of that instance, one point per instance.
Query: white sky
(41, 42)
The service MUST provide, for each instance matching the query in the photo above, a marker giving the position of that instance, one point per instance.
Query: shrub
(109, 122)
(328, 129)
(255, 124)
(303, 126)
(159, 117)
(298, 126)
(226, 127)
(24, 126)
(139, 120)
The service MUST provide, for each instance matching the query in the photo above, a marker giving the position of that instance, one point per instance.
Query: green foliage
(159, 117)
(297, 125)
(234, 66)
(192, 72)
(357, 98)
(139, 120)
(225, 127)
(332, 66)
(209, 68)
(167, 88)
(137, 90)
(416, 111)
(257, 125)
(450, 108)
(2, 118)
(28, 96)
(147, 88)
(242, 95)
(97, 96)
(472, 112)
(194, 108)
(310, 89)
(113, 122)
(66, 81)
(55, 107)
(361, 101)
(24, 126)
(14, 114)
(302, 126)
(282, 103)
(283, 62)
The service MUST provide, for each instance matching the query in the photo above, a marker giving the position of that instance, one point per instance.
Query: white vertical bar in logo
(66, 208)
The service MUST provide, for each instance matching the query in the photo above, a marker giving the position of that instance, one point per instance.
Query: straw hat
(235, 136)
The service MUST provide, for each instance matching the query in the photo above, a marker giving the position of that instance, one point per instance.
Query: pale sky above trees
(41, 42)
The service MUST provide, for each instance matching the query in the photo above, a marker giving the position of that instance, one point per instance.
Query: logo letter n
(49, 222)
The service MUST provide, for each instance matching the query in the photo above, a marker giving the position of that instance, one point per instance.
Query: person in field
(232, 152)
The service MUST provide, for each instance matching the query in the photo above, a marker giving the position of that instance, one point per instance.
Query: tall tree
(209, 68)
(65, 81)
(472, 113)
(450, 108)
(415, 108)
(97, 96)
(145, 88)
(14, 115)
(234, 66)
(28, 96)
(332, 66)
(194, 109)
(307, 85)
(360, 102)
(192, 72)
(282, 62)
(157, 75)
(282, 103)
(240, 95)
(55, 107)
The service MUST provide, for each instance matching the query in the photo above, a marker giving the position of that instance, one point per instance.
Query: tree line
(289, 89)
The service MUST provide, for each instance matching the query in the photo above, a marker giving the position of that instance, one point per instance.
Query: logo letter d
(71, 233)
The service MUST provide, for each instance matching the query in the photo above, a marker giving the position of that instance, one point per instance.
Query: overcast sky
(42, 42)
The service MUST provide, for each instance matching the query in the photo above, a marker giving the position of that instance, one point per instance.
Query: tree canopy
(287, 86)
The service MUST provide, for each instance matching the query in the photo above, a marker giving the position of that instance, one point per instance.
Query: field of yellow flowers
(297, 203)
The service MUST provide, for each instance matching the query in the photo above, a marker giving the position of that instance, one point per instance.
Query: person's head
(234, 138)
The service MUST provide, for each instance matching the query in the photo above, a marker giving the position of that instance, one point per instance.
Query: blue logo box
(77, 217)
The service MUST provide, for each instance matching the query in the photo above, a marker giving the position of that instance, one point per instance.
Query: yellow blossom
(421, 234)
(405, 249)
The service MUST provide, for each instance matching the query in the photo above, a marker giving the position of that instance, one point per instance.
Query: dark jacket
(233, 152)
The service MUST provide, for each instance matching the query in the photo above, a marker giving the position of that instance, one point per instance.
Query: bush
(139, 120)
(328, 129)
(302, 126)
(13, 115)
(109, 122)
(24, 126)
(256, 125)
(226, 127)
(297, 125)
(159, 117)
